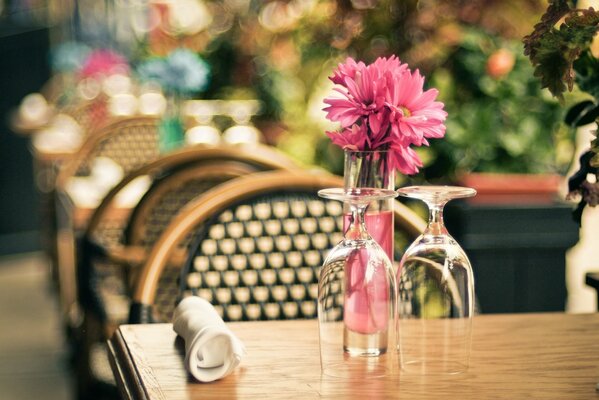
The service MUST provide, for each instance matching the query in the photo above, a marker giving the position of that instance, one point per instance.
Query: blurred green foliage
(499, 118)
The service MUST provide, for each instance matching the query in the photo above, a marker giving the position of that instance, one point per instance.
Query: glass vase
(436, 292)
(370, 169)
(357, 296)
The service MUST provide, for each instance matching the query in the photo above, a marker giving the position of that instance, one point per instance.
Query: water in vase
(366, 305)
(380, 226)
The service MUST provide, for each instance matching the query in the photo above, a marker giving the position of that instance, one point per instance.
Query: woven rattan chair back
(168, 194)
(128, 142)
(89, 114)
(259, 242)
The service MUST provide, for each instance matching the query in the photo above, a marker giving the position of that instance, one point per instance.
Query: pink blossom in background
(383, 106)
(104, 62)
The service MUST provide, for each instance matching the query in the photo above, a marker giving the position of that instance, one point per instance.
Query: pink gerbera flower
(415, 115)
(347, 70)
(353, 138)
(383, 106)
(363, 93)
(391, 65)
(404, 159)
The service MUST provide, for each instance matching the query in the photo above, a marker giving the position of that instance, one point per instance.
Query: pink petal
(424, 99)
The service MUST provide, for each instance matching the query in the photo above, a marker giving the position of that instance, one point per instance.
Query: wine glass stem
(435, 219)
(357, 224)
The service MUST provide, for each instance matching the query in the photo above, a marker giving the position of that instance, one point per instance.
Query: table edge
(123, 368)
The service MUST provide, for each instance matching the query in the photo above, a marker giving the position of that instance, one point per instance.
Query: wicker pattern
(171, 203)
(111, 284)
(90, 115)
(260, 259)
(333, 296)
(168, 286)
(110, 232)
(131, 144)
(404, 287)
(164, 207)
(260, 244)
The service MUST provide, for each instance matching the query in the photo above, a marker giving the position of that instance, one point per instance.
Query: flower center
(405, 112)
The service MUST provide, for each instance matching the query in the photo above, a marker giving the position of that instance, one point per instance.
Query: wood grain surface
(514, 356)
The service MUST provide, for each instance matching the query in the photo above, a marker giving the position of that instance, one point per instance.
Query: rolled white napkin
(212, 351)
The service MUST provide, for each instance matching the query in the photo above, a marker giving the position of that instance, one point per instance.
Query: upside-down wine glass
(357, 296)
(436, 292)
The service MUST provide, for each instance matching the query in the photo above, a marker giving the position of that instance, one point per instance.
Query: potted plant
(563, 59)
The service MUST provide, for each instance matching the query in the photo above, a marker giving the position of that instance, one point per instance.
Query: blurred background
(260, 73)
(281, 53)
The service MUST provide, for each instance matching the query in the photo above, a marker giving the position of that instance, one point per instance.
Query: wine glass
(436, 292)
(357, 296)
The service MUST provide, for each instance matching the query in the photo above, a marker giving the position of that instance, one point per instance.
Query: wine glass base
(436, 193)
(359, 368)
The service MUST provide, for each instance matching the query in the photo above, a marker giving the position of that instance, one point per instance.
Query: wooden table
(514, 356)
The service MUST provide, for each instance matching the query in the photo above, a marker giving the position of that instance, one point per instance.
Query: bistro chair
(109, 256)
(129, 143)
(49, 159)
(259, 243)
